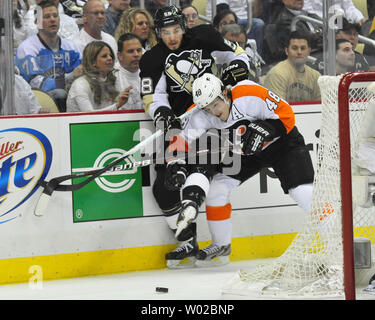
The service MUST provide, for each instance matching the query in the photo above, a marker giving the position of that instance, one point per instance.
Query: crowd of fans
(85, 54)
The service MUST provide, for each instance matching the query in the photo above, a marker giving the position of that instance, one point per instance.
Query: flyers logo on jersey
(240, 131)
(25, 158)
(184, 68)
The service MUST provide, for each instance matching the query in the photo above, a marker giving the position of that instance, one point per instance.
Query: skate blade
(181, 264)
(215, 262)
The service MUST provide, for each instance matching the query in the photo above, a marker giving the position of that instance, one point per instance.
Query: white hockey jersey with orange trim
(250, 102)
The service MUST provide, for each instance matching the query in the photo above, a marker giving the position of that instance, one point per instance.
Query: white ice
(182, 284)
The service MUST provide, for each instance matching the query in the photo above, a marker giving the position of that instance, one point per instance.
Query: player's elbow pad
(278, 128)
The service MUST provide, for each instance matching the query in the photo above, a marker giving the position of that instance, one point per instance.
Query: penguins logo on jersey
(184, 68)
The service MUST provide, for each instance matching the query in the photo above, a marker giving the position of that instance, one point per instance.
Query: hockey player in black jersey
(167, 72)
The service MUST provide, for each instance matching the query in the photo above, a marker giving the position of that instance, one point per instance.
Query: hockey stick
(146, 161)
(53, 184)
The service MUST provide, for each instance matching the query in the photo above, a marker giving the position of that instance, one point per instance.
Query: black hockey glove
(166, 120)
(256, 135)
(175, 175)
(235, 72)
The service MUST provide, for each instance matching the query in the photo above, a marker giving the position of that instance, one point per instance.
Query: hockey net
(313, 265)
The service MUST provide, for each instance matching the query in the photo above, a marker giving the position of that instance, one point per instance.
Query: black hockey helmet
(168, 16)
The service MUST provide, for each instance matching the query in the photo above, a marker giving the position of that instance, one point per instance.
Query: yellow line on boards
(80, 264)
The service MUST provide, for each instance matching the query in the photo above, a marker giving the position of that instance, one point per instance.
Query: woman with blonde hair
(140, 22)
(96, 89)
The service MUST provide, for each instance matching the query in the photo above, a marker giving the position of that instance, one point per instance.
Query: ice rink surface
(182, 284)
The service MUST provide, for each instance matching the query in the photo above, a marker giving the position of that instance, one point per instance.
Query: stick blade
(42, 204)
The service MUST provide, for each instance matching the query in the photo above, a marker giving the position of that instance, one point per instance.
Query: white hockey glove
(187, 215)
(256, 135)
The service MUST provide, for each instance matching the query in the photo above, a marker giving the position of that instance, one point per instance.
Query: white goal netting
(313, 263)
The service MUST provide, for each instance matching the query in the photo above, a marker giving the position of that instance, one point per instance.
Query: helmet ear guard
(168, 16)
(206, 89)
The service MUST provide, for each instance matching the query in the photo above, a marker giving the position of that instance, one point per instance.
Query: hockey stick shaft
(146, 161)
(50, 186)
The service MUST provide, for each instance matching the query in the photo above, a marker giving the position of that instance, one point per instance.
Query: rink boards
(113, 224)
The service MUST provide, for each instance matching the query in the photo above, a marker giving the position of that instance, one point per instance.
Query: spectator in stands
(74, 8)
(276, 34)
(346, 8)
(270, 8)
(345, 57)
(96, 89)
(239, 7)
(139, 22)
(236, 33)
(68, 25)
(93, 23)
(349, 31)
(22, 15)
(47, 60)
(134, 3)
(25, 26)
(192, 16)
(129, 54)
(113, 14)
(25, 101)
(369, 50)
(292, 79)
(224, 17)
(153, 5)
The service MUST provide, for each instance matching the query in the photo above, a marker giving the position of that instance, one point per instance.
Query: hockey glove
(165, 119)
(175, 175)
(256, 135)
(187, 215)
(235, 72)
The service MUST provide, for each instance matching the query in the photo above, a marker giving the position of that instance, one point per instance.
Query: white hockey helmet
(206, 89)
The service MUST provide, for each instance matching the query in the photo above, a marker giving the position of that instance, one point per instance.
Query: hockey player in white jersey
(265, 126)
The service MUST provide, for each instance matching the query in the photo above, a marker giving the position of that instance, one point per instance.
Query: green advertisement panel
(116, 194)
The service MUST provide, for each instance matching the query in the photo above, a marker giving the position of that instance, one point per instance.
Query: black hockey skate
(213, 256)
(184, 255)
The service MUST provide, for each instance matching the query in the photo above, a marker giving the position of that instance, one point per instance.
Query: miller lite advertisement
(25, 158)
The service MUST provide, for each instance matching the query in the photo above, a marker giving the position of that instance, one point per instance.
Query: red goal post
(346, 175)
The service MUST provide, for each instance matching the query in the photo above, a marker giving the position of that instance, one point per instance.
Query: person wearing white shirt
(129, 55)
(25, 100)
(341, 7)
(93, 23)
(239, 7)
(96, 89)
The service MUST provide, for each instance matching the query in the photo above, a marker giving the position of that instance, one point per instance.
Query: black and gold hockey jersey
(167, 76)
